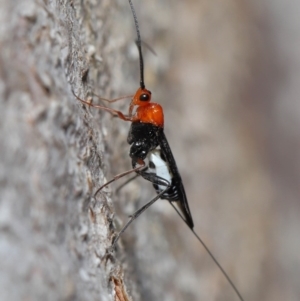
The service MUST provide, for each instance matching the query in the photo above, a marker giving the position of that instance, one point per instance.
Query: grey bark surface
(221, 74)
(53, 234)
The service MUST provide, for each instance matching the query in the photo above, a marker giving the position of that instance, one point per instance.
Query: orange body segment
(150, 113)
(141, 97)
(146, 112)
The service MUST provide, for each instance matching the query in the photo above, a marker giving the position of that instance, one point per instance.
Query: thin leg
(126, 182)
(112, 111)
(113, 100)
(156, 180)
(136, 169)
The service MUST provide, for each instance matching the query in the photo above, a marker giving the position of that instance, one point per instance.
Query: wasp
(151, 155)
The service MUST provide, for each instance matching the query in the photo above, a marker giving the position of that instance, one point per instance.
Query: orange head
(141, 97)
(146, 112)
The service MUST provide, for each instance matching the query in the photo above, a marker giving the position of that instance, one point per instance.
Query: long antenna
(139, 45)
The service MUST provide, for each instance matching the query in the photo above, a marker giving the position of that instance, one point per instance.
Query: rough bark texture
(225, 76)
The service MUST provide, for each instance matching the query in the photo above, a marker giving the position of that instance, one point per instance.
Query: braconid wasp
(151, 154)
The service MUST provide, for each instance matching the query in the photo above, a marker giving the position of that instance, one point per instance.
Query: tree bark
(214, 75)
(54, 234)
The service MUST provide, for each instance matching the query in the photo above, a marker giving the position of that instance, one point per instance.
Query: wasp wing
(176, 192)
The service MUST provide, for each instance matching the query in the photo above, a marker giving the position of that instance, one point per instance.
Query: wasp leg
(112, 111)
(136, 169)
(113, 100)
(155, 180)
(126, 182)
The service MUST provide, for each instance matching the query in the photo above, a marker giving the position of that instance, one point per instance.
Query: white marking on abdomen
(161, 168)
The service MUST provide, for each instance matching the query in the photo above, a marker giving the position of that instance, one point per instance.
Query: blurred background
(226, 73)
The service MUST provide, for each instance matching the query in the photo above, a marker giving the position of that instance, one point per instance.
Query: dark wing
(176, 185)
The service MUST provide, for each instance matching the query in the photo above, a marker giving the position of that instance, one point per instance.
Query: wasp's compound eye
(144, 97)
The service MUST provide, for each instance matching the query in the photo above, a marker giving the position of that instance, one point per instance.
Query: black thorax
(143, 137)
